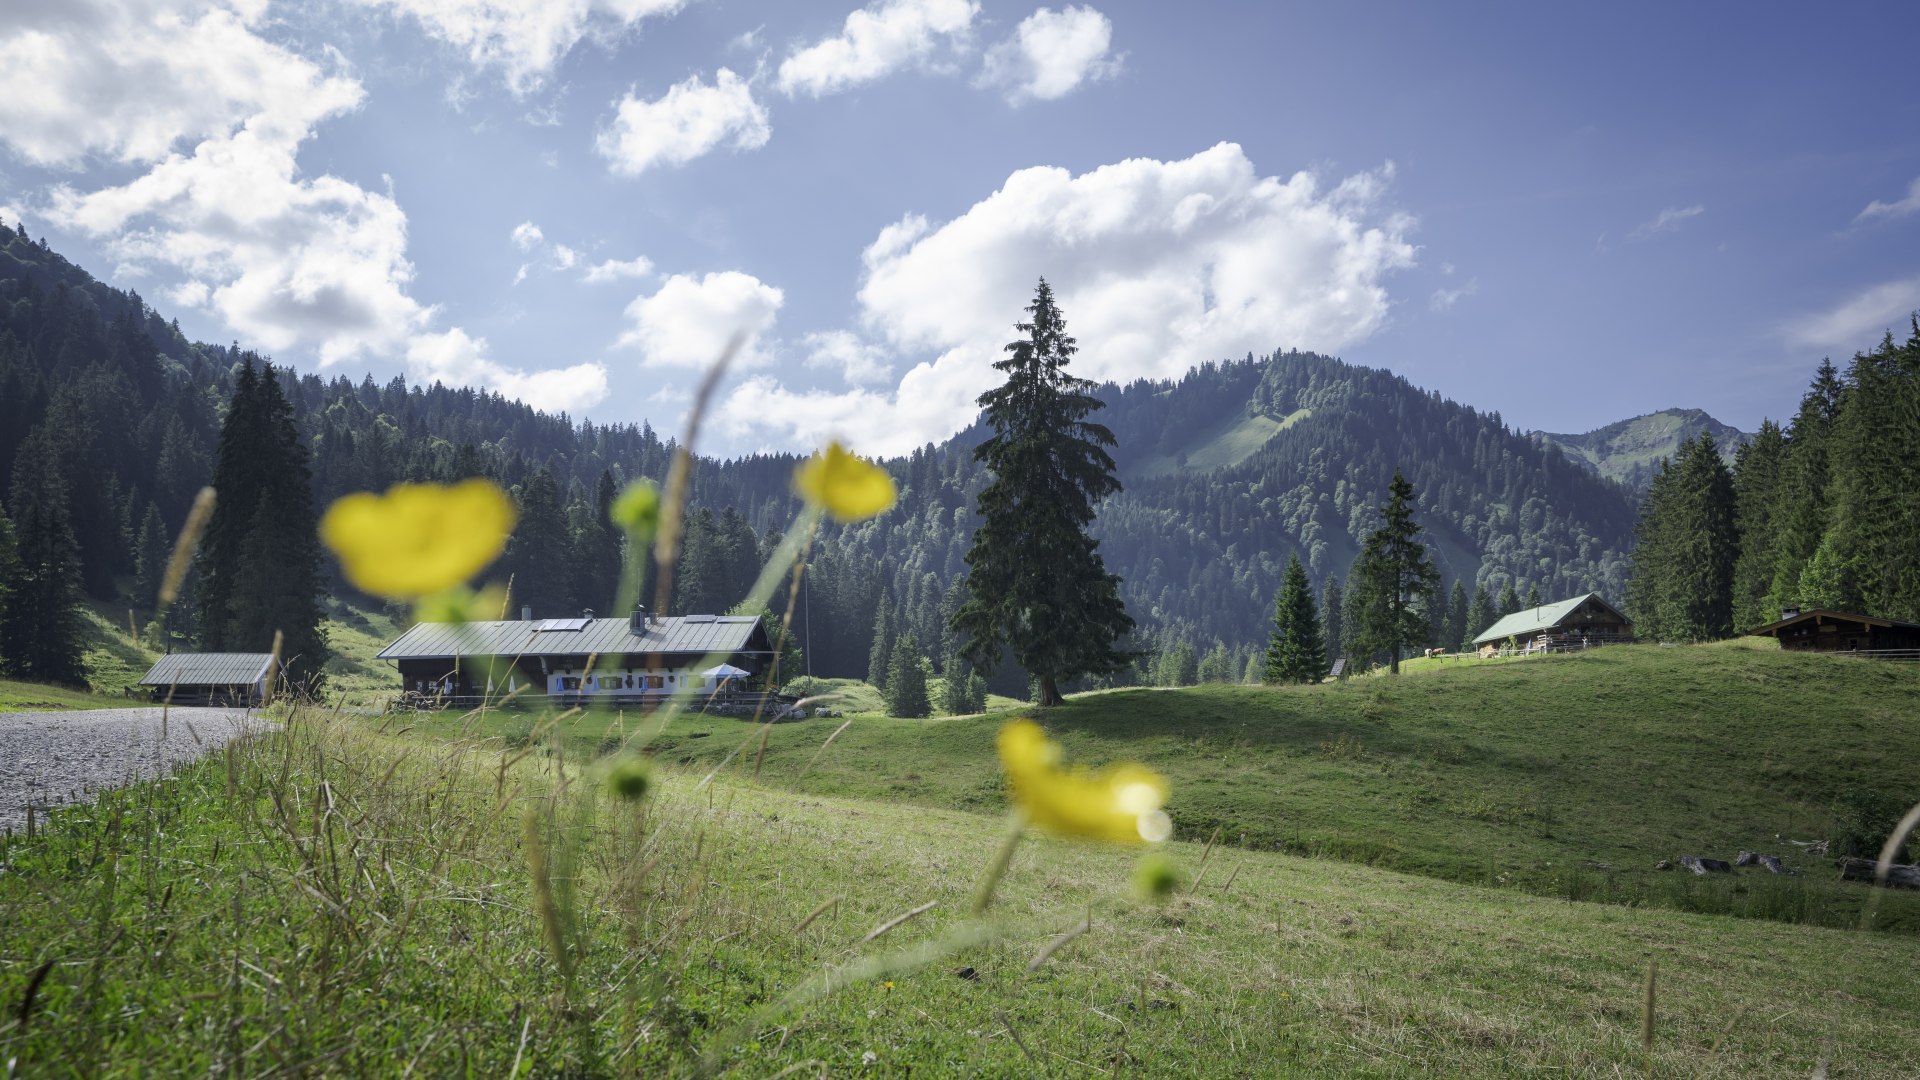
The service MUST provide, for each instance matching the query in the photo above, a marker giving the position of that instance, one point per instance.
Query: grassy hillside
(1525, 773)
(1628, 449)
(329, 899)
(1228, 443)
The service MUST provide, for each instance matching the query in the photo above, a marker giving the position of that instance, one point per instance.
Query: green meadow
(1444, 874)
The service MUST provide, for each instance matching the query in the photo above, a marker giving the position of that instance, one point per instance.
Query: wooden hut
(633, 661)
(209, 678)
(1821, 630)
(1579, 623)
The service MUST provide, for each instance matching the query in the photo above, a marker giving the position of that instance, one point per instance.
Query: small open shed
(1821, 630)
(1581, 622)
(209, 678)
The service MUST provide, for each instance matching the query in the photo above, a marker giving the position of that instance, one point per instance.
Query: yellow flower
(1120, 803)
(848, 487)
(418, 539)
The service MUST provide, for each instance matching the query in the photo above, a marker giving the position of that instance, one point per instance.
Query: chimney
(526, 613)
(1789, 612)
(586, 613)
(637, 622)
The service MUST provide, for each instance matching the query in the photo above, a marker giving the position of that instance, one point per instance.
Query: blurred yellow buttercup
(1121, 803)
(418, 539)
(850, 488)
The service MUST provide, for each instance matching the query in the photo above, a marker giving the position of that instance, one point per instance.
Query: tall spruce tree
(42, 634)
(1035, 580)
(1457, 615)
(151, 552)
(1330, 617)
(539, 555)
(1756, 482)
(1533, 597)
(1874, 534)
(1395, 579)
(1295, 651)
(1682, 583)
(880, 655)
(1800, 515)
(1479, 617)
(907, 681)
(261, 568)
(1509, 600)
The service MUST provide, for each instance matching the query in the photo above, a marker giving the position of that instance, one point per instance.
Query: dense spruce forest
(1823, 513)
(1228, 472)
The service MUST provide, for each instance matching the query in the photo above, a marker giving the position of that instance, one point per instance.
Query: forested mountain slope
(1227, 471)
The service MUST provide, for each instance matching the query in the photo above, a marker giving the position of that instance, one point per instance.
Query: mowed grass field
(1569, 775)
(335, 899)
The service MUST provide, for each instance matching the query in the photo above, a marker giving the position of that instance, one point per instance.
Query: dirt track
(52, 759)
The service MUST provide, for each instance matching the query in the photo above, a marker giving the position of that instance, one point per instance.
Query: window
(569, 684)
(655, 682)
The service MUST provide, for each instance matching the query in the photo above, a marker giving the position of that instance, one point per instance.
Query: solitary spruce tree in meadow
(1035, 580)
(1295, 652)
(1686, 546)
(1479, 616)
(1395, 579)
(907, 681)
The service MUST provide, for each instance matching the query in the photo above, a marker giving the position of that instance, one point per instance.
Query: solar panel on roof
(697, 618)
(574, 625)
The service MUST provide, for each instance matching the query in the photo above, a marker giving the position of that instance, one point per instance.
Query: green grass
(115, 660)
(328, 899)
(354, 635)
(39, 697)
(1521, 774)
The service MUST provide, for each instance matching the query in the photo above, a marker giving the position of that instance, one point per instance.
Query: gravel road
(56, 758)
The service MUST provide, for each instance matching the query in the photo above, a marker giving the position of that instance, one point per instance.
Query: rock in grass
(1706, 866)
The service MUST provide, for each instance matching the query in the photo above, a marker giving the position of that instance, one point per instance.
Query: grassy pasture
(330, 899)
(1524, 774)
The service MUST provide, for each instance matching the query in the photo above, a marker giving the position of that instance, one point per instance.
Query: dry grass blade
(1646, 1015)
(183, 548)
(1058, 943)
(815, 760)
(1007, 1022)
(904, 916)
(816, 913)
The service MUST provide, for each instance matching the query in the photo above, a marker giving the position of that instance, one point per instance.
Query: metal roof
(605, 637)
(1535, 619)
(208, 669)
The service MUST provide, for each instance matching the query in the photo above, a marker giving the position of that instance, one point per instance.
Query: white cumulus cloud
(1051, 54)
(857, 361)
(1157, 266)
(617, 269)
(875, 41)
(130, 79)
(1892, 210)
(691, 119)
(688, 321)
(287, 260)
(527, 236)
(1857, 323)
(524, 39)
(456, 359)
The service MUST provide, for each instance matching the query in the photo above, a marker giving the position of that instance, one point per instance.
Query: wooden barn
(1820, 630)
(634, 661)
(1580, 623)
(209, 678)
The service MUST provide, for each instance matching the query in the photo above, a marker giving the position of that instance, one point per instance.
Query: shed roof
(1820, 614)
(208, 669)
(695, 634)
(1535, 619)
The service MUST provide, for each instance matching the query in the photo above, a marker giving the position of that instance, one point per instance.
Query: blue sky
(1569, 216)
